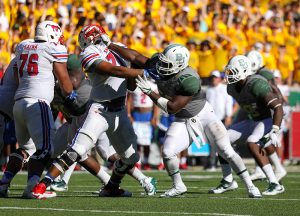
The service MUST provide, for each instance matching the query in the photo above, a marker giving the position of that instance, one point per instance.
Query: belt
(112, 109)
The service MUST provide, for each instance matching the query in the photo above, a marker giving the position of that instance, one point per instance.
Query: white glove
(273, 135)
(143, 84)
(105, 38)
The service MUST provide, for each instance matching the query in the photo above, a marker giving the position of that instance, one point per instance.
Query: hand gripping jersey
(186, 83)
(105, 87)
(8, 87)
(35, 66)
(83, 95)
(251, 97)
(140, 99)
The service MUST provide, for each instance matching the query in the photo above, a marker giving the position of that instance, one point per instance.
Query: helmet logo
(179, 58)
(54, 27)
(243, 64)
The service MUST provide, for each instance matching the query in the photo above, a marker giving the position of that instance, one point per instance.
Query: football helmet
(238, 68)
(256, 60)
(172, 60)
(90, 34)
(48, 31)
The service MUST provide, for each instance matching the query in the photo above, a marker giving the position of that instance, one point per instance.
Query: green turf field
(79, 200)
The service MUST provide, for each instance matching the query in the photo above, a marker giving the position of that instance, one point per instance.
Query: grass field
(79, 200)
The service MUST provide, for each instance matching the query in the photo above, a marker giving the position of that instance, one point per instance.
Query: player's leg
(2, 129)
(261, 156)
(219, 138)
(84, 140)
(17, 158)
(279, 170)
(177, 140)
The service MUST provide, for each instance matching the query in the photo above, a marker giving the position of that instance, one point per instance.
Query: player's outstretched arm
(61, 73)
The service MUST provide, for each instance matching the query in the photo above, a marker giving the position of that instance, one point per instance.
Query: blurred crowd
(213, 30)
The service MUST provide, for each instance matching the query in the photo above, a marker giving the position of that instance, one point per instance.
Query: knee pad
(66, 160)
(122, 168)
(42, 155)
(132, 160)
(216, 131)
(168, 153)
(82, 143)
(21, 154)
(227, 153)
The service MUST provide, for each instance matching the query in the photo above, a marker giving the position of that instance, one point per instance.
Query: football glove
(143, 84)
(151, 73)
(72, 104)
(273, 135)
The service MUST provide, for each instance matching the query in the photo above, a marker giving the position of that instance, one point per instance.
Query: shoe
(254, 192)
(274, 189)
(138, 166)
(114, 192)
(211, 169)
(146, 167)
(27, 194)
(174, 191)
(161, 166)
(39, 192)
(59, 186)
(149, 184)
(258, 175)
(224, 186)
(280, 174)
(183, 166)
(4, 190)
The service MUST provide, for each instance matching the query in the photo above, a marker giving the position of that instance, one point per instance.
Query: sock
(7, 177)
(276, 162)
(269, 173)
(67, 175)
(226, 171)
(257, 168)
(137, 174)
(183, 160)
(177, 180)
(172, 166)
(145, 160)
(47, 180)
(32, 181)
(245, 177)
(103, 176)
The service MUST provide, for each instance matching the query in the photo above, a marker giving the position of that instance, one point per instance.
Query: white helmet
(256, 60)
(19, 47)
(173, 59)
(48, 31)
(238, 68)
(90, 34)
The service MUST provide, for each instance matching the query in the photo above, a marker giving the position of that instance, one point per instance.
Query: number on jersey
(32, 66)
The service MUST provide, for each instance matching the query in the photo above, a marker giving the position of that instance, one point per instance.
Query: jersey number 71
(32, 66)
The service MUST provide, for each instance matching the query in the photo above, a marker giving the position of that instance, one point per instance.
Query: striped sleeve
(88, 59)
(58, 53)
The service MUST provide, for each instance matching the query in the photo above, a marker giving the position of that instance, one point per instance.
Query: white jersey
(35, 67)
(105, 87)
(140, 99)
(8, 87)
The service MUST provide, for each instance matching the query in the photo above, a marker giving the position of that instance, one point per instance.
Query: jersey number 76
(32, 66)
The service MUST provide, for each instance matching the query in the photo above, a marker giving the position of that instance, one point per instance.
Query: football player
(180, 94)
(255, 97)
(36, 63)
(106, 113)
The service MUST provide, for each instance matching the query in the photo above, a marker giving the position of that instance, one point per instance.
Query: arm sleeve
(260, 88)
(88, 58)
(188, 85)
(58, 53)
(229, 105)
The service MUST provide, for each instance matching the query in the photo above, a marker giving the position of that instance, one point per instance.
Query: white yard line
(260, 199)
(124, 212)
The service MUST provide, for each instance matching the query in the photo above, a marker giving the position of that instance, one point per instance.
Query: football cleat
(174, 191)
(224, 186)
(114, 192)
(27, 194)
(4, 190)
(280, 174)
(258, 175)
(149, 184)
(274, 189)
(183, 166)
(59, 186)
(39, 192)
(254, 192)
(161, 166)
(146, 167)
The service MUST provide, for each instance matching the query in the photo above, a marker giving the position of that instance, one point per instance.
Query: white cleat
(149, 184)
(274, 189)
(257, 175)
(280, 174)
(174, 191)
(254, 192)
(224, 186)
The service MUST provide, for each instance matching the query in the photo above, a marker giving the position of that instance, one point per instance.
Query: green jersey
(186, 83)
(83, 95)
(251, 97)
(267, 74)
